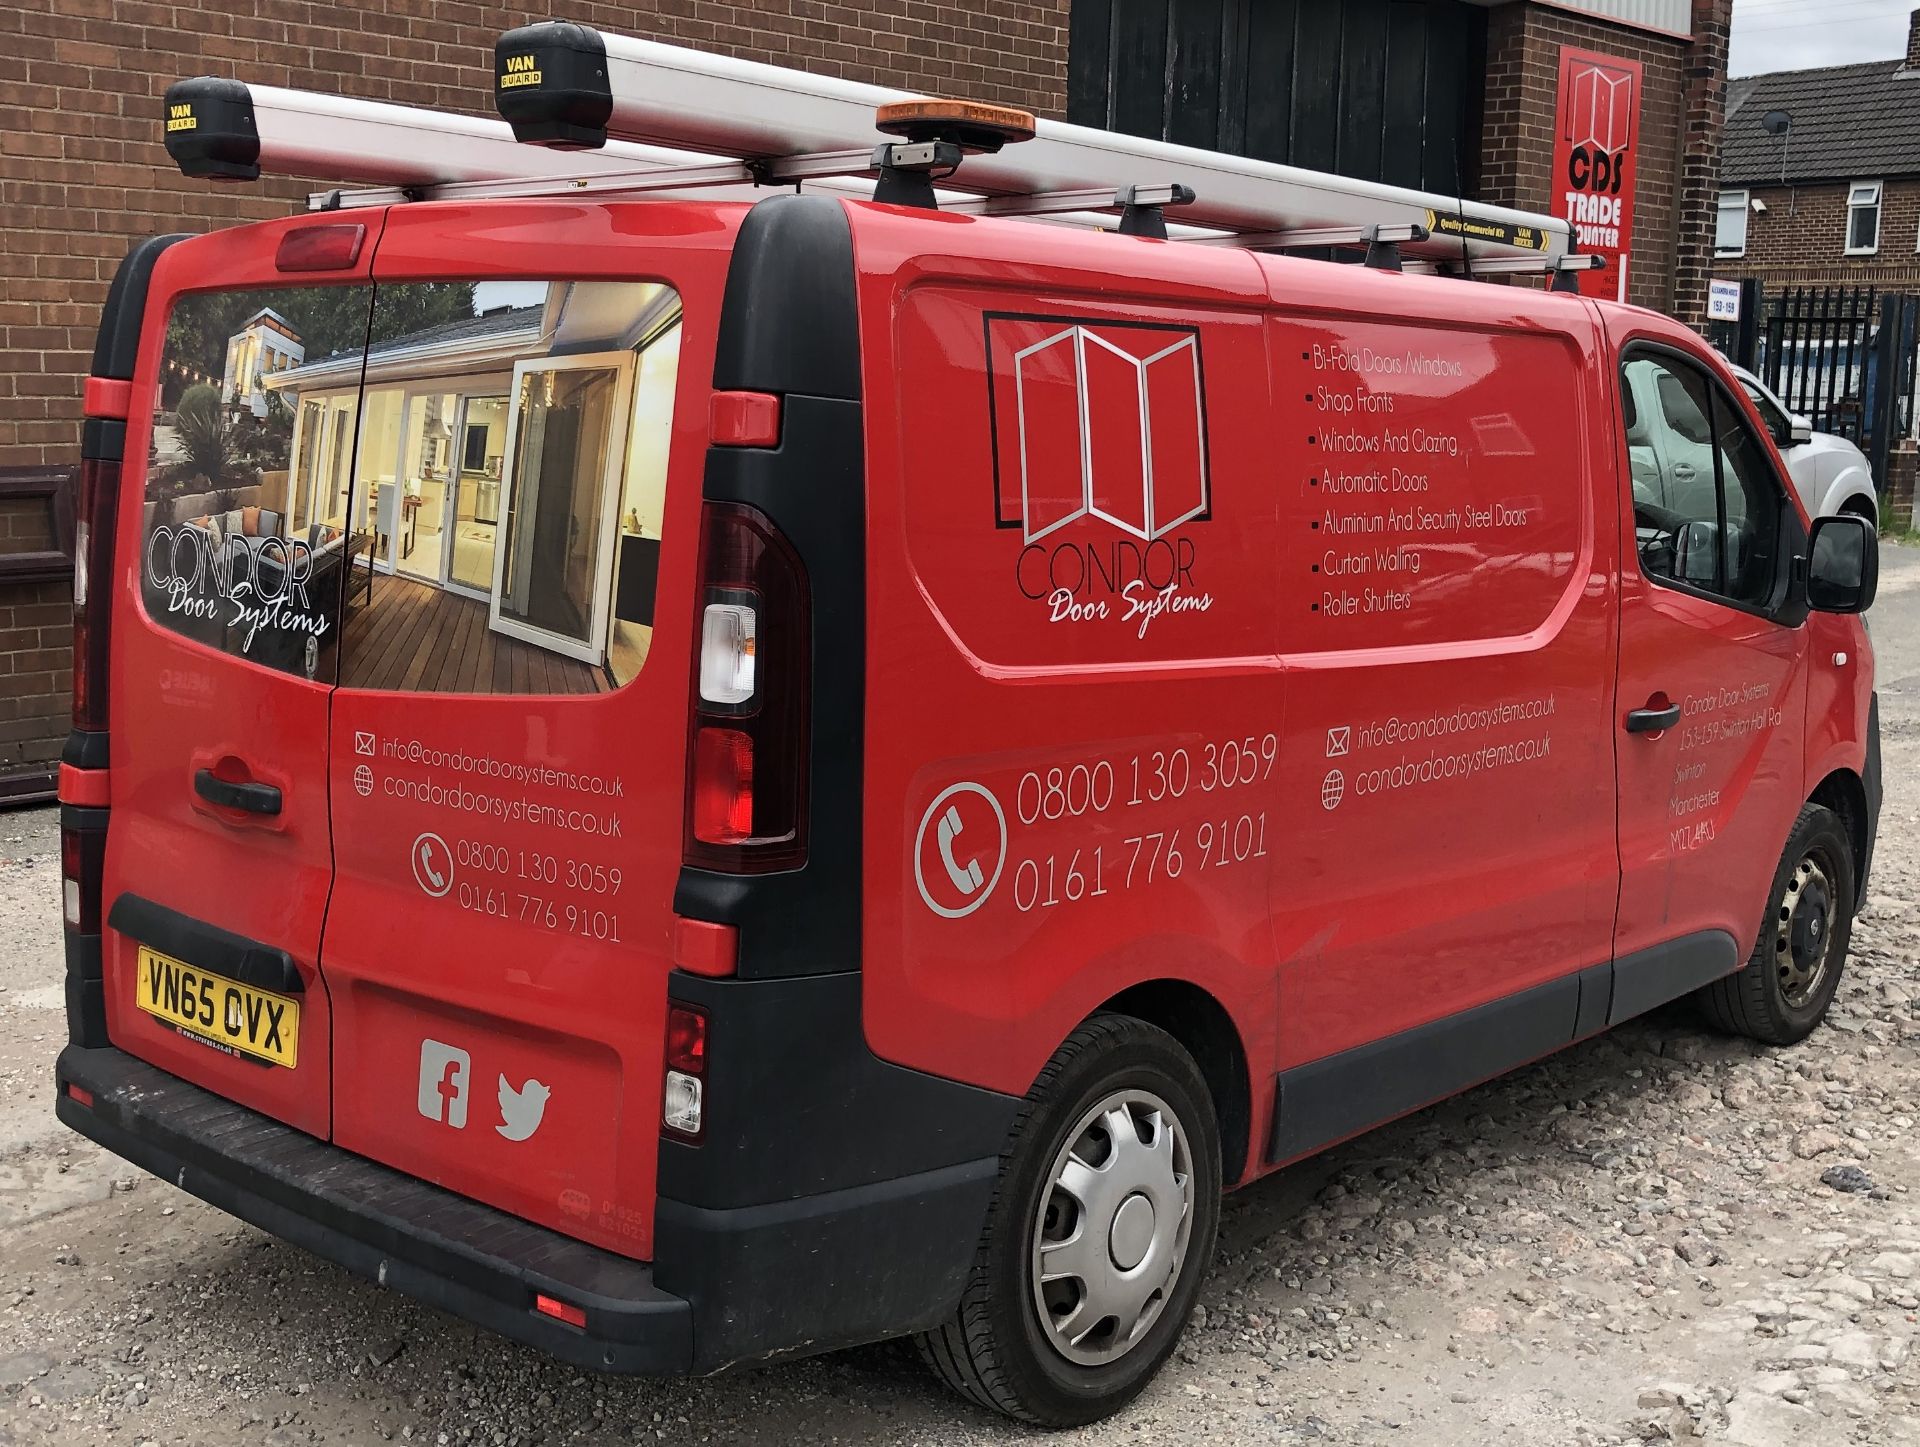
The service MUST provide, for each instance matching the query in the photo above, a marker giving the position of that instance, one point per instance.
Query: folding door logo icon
(1095, 419)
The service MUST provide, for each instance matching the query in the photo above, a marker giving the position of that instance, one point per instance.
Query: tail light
(83, 854)
(683, 1102)
(747, 783)
(95, 512)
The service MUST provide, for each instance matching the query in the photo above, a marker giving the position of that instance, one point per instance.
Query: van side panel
(1075, 719)
(1448, 619)
(1322, 599)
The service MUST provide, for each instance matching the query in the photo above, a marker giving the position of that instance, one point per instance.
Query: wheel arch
(1206, 1030)
(1845, 793)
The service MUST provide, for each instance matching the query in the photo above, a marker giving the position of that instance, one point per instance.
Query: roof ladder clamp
(1384, 242)
(1142, 208)
(906, 171)
(1566, 269)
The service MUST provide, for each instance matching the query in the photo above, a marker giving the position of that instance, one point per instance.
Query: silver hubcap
(1803, 934)
(1111, 1234)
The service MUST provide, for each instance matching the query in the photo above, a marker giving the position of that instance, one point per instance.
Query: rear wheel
(1099, 1234)
(1787, 985)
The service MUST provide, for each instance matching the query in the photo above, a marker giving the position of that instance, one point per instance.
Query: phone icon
(960, 850)
(967, 880)
(432, 865)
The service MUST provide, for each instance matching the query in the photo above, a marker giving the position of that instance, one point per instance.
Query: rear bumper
(843, 1258)
(452, 1253)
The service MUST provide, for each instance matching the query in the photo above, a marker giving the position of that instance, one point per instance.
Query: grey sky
(1802, 34)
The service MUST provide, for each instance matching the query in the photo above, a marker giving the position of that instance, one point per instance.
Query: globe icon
(1333, 789)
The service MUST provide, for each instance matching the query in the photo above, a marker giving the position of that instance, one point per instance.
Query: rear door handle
(1653, 720)
(249, 797)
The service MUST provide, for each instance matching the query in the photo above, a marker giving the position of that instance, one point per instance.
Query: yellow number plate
(224, 1013)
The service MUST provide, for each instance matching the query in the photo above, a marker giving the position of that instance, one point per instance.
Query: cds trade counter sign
(1595, 161)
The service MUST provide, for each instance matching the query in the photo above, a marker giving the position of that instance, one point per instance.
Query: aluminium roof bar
(566, 85)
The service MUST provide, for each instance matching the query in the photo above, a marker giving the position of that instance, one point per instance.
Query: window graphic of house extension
(1096, 420)
(265, 344)
(483, 465)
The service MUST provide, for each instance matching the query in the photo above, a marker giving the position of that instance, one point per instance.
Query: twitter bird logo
(521, 1110)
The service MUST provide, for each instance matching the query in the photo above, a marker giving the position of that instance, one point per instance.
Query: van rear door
(233, 558)
(511, 723)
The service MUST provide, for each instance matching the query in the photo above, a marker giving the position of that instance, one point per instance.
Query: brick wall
(83, 173)
(35, 626)
(1802, 237)
(1523, 76)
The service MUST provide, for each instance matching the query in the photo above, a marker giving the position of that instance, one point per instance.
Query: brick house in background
(1835, 197)
(1442, 94)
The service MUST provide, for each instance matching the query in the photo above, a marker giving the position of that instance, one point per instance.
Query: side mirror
(1799, 430)
(1843, 565)
(1696, 554)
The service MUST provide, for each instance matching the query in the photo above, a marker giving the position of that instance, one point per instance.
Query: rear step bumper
(466, 1259)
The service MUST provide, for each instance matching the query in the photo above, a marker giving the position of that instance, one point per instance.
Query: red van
(693, 781)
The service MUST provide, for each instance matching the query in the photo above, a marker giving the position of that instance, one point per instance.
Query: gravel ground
(1639, 1239)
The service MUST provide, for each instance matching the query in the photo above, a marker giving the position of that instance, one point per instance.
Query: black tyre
(1100, 1232)
(1785, 989)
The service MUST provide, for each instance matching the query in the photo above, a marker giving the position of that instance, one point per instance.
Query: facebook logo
(444, 1073)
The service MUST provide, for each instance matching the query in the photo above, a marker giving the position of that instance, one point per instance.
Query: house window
(1863, 218)
(1730, 230)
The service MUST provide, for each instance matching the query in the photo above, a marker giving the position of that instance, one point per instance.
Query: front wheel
(1099, 1234)
(1787, 985)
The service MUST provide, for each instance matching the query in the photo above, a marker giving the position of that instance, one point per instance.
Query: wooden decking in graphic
(414, 638)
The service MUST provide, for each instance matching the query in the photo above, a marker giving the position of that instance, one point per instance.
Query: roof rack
(612, 115)
(561, 84)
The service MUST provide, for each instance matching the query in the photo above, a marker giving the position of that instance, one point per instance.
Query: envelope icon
(363, 741)
(1339, 741)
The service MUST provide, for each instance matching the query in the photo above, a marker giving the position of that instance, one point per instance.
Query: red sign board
(1596, 161)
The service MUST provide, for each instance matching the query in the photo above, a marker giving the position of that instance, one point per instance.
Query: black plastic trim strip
(86, 992)
(116, 347)
(1326, 1101)
(1648, 978)
(85, 977)
(1873, 783)
(194, 942)
(103, 439)
(851, 1266)
(87, 818)
(789, 319)
(860, 1186)
(1596, 999)
(804, 1106)
(789, 326)
(86, 749)
(452, 1253)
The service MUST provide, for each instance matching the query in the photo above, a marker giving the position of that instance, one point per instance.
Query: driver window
(1752, 501)
(1706, 506)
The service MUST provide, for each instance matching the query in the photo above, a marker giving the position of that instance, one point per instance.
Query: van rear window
(429, 487)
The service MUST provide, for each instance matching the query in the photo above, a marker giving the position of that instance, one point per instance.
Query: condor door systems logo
(1100, 460)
